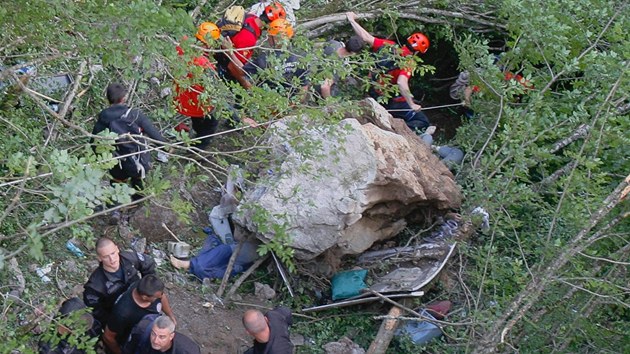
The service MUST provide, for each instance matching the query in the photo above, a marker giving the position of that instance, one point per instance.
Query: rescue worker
(280, 32)
(402, 106)
(243, 42)
(187, 101)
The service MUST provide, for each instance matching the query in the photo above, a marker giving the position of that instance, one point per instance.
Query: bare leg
(179, 264)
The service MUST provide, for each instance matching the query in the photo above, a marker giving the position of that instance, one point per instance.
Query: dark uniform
(129, 314)
(279, 341)
(140, 341)
(103, 288)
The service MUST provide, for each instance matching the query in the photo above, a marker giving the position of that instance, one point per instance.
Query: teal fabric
(348, 284)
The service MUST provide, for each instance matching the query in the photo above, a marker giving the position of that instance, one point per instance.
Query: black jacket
(139, 341)
(279, 341)
(116, 111)
(102, 288)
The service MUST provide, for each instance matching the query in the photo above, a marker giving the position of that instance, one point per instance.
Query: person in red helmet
(403, 105)
(187, 101)
(273, 11)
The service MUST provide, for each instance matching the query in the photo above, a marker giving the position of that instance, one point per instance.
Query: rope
(428, 108)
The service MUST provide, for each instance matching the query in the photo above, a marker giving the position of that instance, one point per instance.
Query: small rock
(297, 339)
(165, 92)
(264, 291)
(343, 346)
(179, 279)
(62, 284)
(14, 295)
(70, 266)
(77, 290)
(139, 244)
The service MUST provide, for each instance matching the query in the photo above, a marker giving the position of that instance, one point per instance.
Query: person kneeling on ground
(270, 331)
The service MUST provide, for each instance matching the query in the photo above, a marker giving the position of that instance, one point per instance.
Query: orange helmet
(280, 26)
(274, 11)
(208, 29)
(419, 42)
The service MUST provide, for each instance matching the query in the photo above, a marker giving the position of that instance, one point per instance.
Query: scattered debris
(420, 332)
(348, 284)
(485, 218)
(42, 271)
(264, 291)
(343, 346)
(74, 249)
(283, 273)
(14, 267)
(412, 279)
(361, 299)
(158, 256)
(180, 249)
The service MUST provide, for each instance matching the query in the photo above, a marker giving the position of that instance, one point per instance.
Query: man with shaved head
(115, 272)
(270, 331)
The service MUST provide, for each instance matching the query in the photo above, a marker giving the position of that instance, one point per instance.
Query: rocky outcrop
(366, 185)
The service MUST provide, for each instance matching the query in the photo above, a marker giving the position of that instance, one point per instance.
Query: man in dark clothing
(287, 65)
(115, 272)
(83, 324)
(338, 50)
(126, 168)
(157, 335)
(270, 331)
(143, 298)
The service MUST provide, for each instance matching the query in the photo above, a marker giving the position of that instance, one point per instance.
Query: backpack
(386, 58)
(138, 164)
(233, 21)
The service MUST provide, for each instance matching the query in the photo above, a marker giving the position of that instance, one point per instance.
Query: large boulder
(366, 185)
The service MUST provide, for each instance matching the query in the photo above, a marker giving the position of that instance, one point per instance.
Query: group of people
(129, 310)
(229, 55)
(236, 61)
(129, 307)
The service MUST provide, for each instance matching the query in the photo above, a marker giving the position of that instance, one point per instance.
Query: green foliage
(335, 324)
(573, 52)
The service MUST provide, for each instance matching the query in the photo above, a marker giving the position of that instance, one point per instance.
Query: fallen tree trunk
(467, 17)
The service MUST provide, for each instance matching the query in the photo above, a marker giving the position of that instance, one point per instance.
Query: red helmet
(419, 42)
(274, 11)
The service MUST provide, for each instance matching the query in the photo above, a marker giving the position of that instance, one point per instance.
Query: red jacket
(187, 99)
